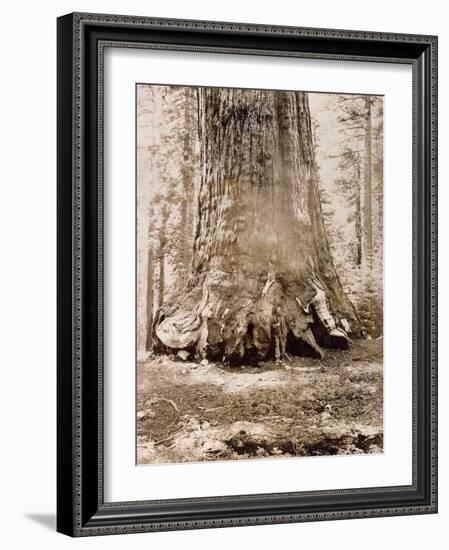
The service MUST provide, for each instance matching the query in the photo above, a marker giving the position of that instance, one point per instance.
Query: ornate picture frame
(81, 506)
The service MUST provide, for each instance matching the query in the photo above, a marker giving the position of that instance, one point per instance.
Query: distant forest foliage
(348, 142)
(356, 232)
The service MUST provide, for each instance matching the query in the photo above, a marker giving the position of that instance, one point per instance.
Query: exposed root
(267, 321)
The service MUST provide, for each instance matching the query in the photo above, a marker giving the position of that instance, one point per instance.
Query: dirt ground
(188, 411)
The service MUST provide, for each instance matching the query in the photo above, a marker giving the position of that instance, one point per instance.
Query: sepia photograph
(259, 274)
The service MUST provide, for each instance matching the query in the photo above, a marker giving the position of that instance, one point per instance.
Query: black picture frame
(81, 510)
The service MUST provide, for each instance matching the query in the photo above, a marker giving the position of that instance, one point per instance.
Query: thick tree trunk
(260, 250)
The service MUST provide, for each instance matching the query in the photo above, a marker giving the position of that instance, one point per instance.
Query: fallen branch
(172, 403)
(168, 438)
(209, 410)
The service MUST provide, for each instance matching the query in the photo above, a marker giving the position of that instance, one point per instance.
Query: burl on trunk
(262, 281)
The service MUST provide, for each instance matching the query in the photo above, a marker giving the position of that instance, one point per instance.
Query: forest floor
(188, 411)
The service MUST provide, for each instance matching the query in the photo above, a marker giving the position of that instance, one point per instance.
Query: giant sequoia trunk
(260, 250)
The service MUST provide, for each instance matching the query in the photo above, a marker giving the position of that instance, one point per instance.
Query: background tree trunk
(358, 220)
(260, 240)
(368, 182)
(187, 172)
(149, 328)
(161, 255)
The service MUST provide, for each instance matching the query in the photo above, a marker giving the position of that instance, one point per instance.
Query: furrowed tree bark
(260, 248)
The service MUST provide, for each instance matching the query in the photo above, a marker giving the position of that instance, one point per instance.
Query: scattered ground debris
(189, 411)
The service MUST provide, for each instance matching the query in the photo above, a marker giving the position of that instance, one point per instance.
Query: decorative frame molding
(81, 42)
